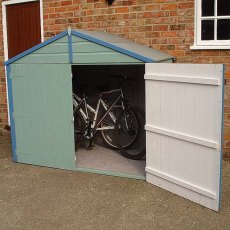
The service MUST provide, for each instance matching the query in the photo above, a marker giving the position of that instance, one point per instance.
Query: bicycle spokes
(131, 134)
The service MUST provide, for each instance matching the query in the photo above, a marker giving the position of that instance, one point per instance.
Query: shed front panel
(42, 98)
(55, 53)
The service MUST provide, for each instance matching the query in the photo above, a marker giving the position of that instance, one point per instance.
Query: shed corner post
(223, 69)
(11, 112)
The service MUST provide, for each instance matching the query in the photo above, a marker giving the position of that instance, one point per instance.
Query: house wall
(166, 25)
(3, 97)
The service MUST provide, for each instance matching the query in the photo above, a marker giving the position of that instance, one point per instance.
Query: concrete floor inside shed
(104, 159)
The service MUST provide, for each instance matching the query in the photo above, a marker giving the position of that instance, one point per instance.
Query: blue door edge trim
(11, 112)
(70, 47)
(111, 46)
(222, 138)
(25, 53)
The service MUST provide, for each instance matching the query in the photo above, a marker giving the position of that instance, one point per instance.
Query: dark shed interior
(92, 79)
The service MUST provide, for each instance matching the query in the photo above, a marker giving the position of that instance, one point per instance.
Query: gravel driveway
(34, 197)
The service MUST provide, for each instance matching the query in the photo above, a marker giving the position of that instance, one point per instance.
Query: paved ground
(41, 198)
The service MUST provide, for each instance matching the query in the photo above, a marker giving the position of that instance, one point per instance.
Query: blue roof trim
(116, 48)
(21, 55)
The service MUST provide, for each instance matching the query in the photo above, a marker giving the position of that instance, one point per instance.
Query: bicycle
(119, 112)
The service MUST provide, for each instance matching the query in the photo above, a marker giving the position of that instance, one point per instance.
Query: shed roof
(128, 45)
(114, 42)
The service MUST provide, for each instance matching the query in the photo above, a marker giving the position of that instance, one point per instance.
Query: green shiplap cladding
(103, 57)
(87, 52)
(84, 52)
(57, 53)
(44, 59)
(42, 96)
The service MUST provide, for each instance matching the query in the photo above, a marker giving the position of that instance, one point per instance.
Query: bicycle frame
(95, 124)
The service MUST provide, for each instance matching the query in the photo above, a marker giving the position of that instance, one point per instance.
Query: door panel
(42, 96)
(23, 27)
(184, 108)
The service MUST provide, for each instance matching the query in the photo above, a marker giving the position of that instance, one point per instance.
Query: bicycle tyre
(79, 124)
(135, 154)
(109, 136)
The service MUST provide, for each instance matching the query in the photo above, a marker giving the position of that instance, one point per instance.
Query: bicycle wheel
(131, 134)
(109, 134)
(79, 125)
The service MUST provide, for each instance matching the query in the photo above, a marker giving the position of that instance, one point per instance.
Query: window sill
(200, 47)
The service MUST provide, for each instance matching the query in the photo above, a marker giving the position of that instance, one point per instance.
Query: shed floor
(104, 159)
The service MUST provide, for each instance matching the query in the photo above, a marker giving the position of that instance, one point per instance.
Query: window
(212, 28)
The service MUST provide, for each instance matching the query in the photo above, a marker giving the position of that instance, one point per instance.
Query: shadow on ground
(34, 197)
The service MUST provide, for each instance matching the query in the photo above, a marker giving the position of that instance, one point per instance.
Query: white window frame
(212, 44)
(4, 24)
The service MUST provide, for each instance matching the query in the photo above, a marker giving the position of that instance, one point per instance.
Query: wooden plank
(191, 80)
(178, 158)
(182, 136)
(183, 192)
(56, 52)
(89, 47)
(44, 59)
(178, 69)
(182, 183)
(53, 48)
(183, 107)
(103, 57)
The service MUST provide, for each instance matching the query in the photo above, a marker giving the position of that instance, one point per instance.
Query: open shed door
(42, 98)
(184, 119)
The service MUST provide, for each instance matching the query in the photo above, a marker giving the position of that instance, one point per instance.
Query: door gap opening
(92, 80)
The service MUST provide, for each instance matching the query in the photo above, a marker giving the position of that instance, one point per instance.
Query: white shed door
(184, 119)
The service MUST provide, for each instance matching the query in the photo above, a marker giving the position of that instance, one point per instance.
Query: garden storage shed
(183, 110)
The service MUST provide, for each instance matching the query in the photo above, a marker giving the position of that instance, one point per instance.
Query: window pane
(223, 29)
(207, 30)
(223, 7)
(208, 7)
